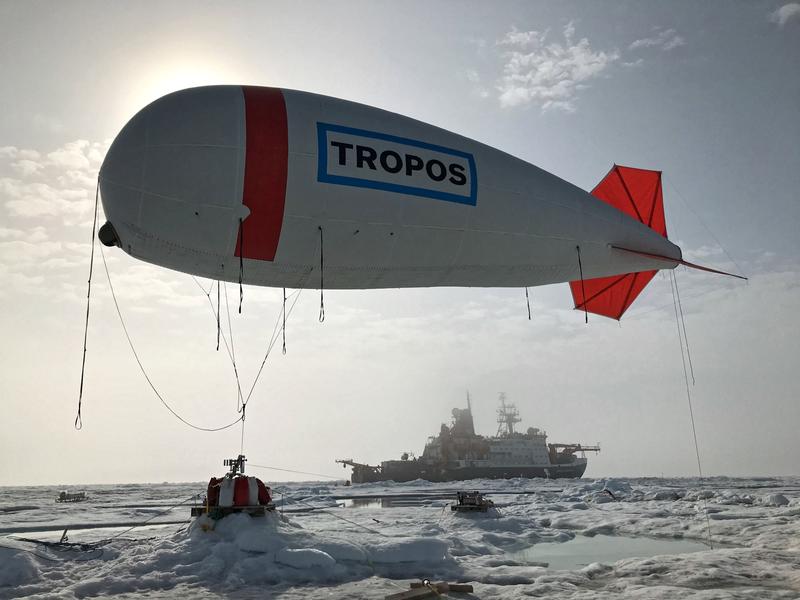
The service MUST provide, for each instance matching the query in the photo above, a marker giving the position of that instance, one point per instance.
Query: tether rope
(583, 291)
(210, 287)
(224, 340)
(280, 321)
(636, 313)
(273, 339)
(233, 348)
(50, 558)
(332, 514)
(241, 264)
(91, 546)
(683, 323)
(249, 464)
(321, 278)
(243, 410)
(141, 366)
(78, 421)
(691, 410)
(528, 301)
(706, 227)
(283, 329)
(145, 523)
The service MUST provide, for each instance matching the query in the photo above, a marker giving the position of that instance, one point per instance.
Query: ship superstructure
(457, 453)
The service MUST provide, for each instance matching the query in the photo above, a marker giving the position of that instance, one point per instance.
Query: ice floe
(365, 551)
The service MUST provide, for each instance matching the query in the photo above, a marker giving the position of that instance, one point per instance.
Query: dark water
(583, 550)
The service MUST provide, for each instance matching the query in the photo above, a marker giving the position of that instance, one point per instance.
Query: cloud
(24, 253)
(537, 69)
(37, 199)
(29, 155)
(666, 39)
(26, 167)
(80, 178)
(46, 209)
(56, 187)
(634, 63)
(550, 74)
(704, 253)
(35, 234)
(674, 43)
(59, 183)
(15, 281)
(785, 13)
(474, 78)
(71, 155)
(14, 152)
(23, 258)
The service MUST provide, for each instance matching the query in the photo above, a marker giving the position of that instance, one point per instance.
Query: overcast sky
(708, 92)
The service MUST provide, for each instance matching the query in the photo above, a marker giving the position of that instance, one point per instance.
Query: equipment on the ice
(471, 502)
(235, 493)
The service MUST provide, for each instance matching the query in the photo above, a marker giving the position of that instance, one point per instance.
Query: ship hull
(411, 470)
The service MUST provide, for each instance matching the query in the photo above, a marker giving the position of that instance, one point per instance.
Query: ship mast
(507, 416)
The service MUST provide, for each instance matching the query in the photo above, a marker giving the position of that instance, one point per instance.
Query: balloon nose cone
(108, 236)
(174, 173)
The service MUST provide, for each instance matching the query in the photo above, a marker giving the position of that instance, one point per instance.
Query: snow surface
(318, 548)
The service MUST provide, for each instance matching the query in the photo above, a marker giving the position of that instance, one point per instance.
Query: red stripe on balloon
(266, 161)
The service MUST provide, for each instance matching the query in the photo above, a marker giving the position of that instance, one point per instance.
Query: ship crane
(349, 462)
(573, 448)
(361, 471)
(568, 450)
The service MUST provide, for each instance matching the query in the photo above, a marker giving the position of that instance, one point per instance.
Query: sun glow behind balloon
(170, 71)
(181, 74)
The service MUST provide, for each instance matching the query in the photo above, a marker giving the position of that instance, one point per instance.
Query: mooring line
(78, 421)
(228, 347)
(683, 323)
(249, 464)
(141, 366)
(691, 410)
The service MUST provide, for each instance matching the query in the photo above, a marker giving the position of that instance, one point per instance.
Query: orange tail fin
(637, 193)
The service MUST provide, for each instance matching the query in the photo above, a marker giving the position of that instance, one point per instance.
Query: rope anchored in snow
(681, 338)
(335, 477)
(64, 545)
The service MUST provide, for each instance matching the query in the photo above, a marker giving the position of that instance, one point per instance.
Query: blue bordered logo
(369, 159)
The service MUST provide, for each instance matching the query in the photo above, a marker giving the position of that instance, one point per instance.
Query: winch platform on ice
(235, 493)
